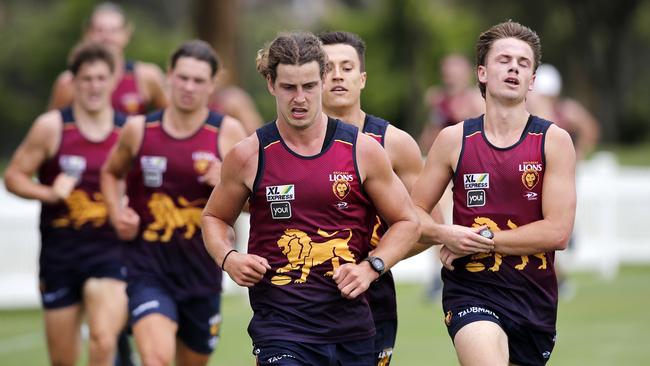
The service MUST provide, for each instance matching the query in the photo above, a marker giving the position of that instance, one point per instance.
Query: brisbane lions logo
(82, 210)
(476, 266)
(530, 178)
(303, 253)
(168, 217)
(341, 188)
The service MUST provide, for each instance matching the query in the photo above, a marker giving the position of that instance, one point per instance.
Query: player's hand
(213, 175)
(464, 240)
(246, 269)
(126, 224)
(63, 186)
(447, 257)
(354, 279)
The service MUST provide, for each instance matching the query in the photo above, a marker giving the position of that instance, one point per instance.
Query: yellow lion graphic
(82, 209)
(168, 217)
(498, 257)
(303, 253)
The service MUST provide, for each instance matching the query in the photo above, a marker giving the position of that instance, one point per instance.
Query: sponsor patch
(285, 192)
(153, 168)
(72, 165)
(280, 210)
(479, 180)
(476, 198)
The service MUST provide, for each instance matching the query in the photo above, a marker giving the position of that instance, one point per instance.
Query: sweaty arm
(230, 133)
(153, 80)
(396, 208)
(558, 203)
(431, 184)
(39, 145)
(404, 156)
(222, 209)
(124, 219)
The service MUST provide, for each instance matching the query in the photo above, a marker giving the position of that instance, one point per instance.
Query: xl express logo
(285, 192)
(474, 181)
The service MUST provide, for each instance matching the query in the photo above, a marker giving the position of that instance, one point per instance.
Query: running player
(312, 183)
(344, 81)
(513, 180)
(81, 269)
(172, 158)
(140, 84)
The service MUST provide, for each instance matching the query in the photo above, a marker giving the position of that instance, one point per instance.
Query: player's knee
(103, 342)
(62, 360)
(156, 357)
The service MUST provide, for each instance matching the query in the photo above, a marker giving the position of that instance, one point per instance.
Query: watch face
(487, 233)
(377, 264)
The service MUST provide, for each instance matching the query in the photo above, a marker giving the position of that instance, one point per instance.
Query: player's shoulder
(148, 71)
(50, 121)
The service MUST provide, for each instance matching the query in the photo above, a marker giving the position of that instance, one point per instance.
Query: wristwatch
(377, 264)
(486, 233)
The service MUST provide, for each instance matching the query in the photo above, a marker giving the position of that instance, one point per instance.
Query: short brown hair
(87, 52)
(296, 48)
(199, 50)
(503, 30)
(350, 39)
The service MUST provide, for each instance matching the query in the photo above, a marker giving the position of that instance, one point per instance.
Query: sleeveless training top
(502, 188)
(381, 294)
(309, 215)
(78, 228)
(126, 97)
(164, 189)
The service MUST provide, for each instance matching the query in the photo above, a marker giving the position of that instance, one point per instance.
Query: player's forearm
(23, 186)
(431, 232)
(112, 189)
(218, 237)
(398, 240)
(536, 237)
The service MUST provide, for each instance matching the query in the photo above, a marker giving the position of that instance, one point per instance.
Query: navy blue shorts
(198, 319)
(527, 346)
(287, 353)
(385, 341)
(64, 288)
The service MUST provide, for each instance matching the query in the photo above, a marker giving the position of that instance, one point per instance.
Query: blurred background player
(81, 268)
(456, 99)
(234, 101)
(546, 102)
(140, 85)
(344, 81)
(171, 159)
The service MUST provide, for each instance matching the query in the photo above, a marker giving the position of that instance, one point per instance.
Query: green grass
(606, 323)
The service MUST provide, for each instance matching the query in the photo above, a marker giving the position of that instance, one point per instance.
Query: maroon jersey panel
(309, 215)
(164, 188)
(502, 188)
(78, 228)
(127, 97)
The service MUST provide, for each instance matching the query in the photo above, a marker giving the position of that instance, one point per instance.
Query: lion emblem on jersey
(530, 178)
(82, 210)
(341, 188)
(303, 253)
(476, 266)
(168, 217)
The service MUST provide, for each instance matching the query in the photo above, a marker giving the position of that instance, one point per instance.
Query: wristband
(226, 257)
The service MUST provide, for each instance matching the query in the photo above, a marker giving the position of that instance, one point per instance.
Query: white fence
(612, 227)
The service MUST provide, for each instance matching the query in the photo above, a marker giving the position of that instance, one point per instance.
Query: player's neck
(181, 124)
(353, 115)
(94, 125)
(505, 122)
(305, 141)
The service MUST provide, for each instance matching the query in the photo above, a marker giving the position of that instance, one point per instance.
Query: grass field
(606, 323)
